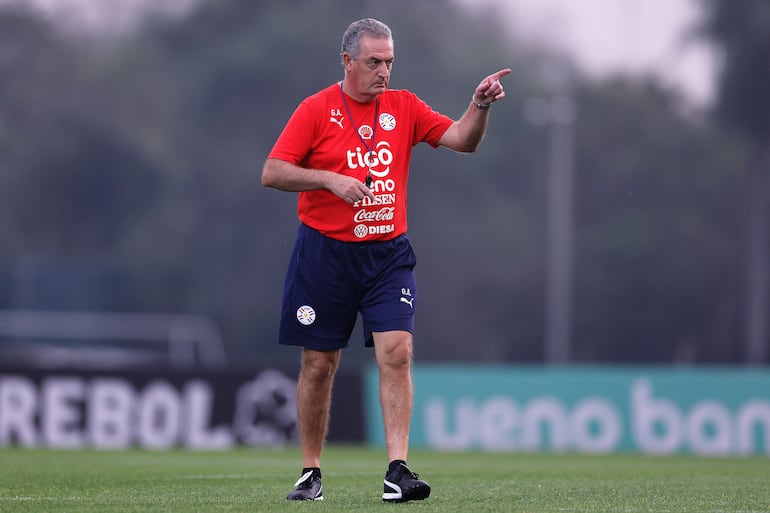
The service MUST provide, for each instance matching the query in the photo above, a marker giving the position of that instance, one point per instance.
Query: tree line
(129, 181)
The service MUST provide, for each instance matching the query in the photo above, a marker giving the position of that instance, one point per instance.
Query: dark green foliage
(143, 155)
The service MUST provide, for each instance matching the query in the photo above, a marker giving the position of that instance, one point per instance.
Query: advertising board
(719, 411)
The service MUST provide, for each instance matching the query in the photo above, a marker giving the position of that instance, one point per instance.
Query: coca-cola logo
(383, 214)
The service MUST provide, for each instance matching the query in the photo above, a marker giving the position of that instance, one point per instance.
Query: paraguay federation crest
(306, 315)
(387, 121)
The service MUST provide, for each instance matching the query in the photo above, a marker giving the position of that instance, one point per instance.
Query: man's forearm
(473, 126)
(465, 134)
(284, 176)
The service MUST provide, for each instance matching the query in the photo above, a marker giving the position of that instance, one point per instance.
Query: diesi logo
(376, 160)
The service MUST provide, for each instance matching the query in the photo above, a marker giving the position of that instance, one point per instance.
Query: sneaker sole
(415, 494)
(299, 499)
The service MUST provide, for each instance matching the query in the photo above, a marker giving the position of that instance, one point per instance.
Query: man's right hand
(348, 188)
(284, 176)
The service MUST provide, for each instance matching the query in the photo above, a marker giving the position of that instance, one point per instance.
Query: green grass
(246, 480)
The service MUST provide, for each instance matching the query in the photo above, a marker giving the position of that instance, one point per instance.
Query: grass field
(247, 480)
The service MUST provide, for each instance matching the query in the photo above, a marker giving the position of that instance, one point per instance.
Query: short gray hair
(351, 40)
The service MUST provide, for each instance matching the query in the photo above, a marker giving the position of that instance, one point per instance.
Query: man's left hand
(490, 89)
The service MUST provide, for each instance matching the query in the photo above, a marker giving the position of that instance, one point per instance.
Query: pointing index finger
(500, 74)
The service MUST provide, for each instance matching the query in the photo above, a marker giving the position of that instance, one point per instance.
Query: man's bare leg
(393, 350)
(314, 392)
(394, 359)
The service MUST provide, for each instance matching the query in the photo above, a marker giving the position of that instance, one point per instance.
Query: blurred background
(617, 211)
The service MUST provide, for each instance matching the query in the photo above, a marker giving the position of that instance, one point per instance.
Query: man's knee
(394, 349)
(319, 366)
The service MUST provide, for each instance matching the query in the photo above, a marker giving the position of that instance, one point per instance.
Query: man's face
(369, 74)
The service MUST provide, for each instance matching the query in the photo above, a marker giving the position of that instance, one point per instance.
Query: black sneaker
(401, 485)
(308, 488)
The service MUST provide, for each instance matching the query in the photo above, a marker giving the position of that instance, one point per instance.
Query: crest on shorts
(306, 315)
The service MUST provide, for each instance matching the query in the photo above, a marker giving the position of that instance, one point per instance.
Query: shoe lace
(408, 471)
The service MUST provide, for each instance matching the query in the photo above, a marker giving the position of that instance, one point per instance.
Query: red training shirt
(321, 135)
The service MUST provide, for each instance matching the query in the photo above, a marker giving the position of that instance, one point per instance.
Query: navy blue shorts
(329, 282)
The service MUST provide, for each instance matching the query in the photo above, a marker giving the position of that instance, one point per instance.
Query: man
(346, 150)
